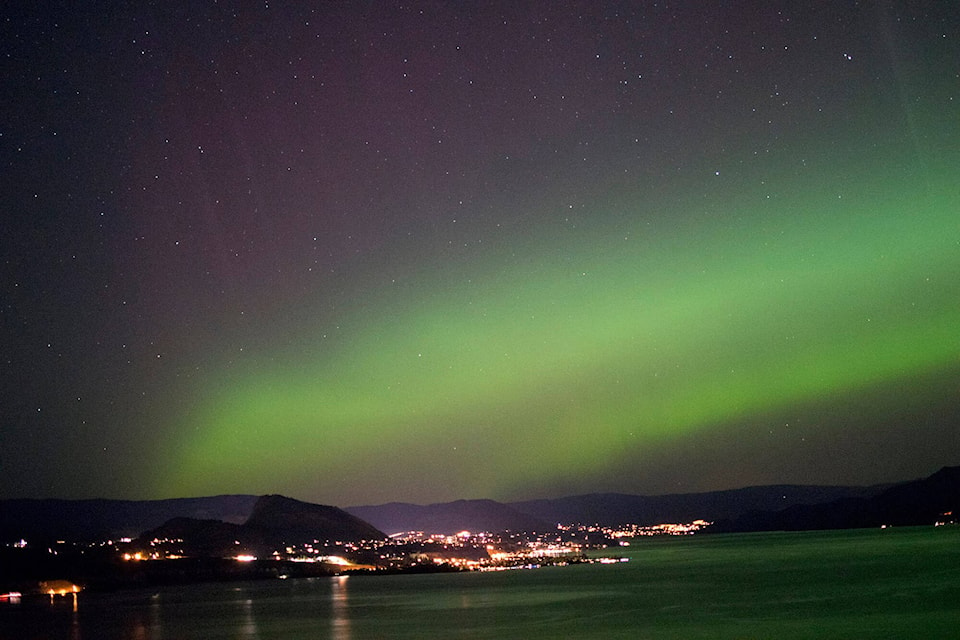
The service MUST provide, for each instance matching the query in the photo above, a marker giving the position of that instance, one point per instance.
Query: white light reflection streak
(340, 620)
(248, 628)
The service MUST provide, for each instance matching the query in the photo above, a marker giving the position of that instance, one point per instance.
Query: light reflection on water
(248, 625)
(75, 618)
(852, 584)
(340, 618)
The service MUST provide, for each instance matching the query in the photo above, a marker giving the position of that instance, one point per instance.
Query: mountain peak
(306, 521)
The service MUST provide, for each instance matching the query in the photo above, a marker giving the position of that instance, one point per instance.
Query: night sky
(369, 252)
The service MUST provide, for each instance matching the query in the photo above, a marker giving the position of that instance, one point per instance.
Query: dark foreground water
(895, 583)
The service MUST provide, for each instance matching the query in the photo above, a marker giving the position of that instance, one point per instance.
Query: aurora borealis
(356, 254)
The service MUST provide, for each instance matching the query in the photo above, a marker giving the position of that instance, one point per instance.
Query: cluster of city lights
(412, 550)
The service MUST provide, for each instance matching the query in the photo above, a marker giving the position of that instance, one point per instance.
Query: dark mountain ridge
(751, 508)
(450, 517)
(920, 502)
(606, 509)
(611, 509)
(95, 520)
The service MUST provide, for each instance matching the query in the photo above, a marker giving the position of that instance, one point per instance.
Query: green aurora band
(571, 352)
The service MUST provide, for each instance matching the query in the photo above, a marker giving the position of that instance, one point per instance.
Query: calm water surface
(899, 583)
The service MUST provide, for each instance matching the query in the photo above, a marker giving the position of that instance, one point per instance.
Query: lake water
(894, 583)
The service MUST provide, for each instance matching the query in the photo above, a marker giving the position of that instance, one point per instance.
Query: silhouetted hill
(93, 520)
(449, 517)
(293, 521)
(919, 502)
(205, 538)
(276, 522)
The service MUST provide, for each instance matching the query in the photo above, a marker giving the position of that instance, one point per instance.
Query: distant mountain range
(610, 509)
(784, 507)
(606, 509)
(932, 499)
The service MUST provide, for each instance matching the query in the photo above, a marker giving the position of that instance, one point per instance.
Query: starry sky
(358, 252)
